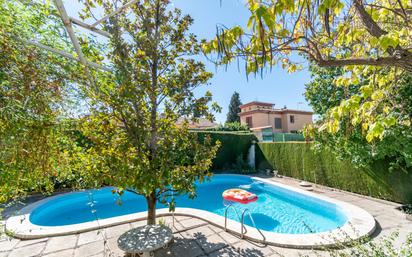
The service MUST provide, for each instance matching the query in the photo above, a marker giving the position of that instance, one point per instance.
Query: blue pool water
(277, 209)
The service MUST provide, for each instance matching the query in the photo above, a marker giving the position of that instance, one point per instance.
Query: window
(292, 118)
(278, 123)
(249, 121)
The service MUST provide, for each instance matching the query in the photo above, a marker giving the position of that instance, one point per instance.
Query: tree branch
(371, 26)
(405, 63)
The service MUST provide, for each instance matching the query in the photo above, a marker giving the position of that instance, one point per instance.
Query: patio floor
(194, 237)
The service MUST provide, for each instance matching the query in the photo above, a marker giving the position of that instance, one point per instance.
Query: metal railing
(243, 229)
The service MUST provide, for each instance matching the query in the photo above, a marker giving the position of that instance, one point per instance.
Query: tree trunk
(151, 209)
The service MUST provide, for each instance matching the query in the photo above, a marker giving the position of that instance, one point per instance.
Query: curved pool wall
(287, 216)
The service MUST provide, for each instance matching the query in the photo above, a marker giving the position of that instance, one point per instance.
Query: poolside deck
(194, 237)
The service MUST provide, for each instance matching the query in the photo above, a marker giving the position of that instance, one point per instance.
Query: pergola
(68, 24)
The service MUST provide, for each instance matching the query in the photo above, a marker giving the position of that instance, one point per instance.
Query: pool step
(243, 229)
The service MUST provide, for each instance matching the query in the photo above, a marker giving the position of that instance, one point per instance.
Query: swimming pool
(280, 210)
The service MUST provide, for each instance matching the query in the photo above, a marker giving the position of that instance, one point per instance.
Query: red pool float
(239, 195)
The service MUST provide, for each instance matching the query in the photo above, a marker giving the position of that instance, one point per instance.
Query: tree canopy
(234, 108)
(369, 40)
(136, 144)
(394, 148)
(36, 153)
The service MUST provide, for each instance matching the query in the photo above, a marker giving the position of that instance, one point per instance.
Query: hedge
(233, 144)
(299, 160)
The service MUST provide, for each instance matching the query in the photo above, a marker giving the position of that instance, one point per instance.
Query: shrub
(233, 145)
(301, 161)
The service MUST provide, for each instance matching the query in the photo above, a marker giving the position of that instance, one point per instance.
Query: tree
(321, 92)
(377, 32)
(349, 141)
(234, 108)
(36, 153)
(136, 144)
(367, 39)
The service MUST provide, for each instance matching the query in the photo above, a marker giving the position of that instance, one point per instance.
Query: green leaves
(139, 121)
(365, 122)
(387, 41)
(37, 151)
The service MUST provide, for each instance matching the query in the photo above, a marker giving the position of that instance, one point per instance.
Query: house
(260, 116)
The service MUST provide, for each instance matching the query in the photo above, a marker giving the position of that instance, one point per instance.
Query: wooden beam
(118, 10)
(68, 24)
(63, 53)
(89, 27)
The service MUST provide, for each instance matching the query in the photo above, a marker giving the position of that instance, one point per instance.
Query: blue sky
(277, 86)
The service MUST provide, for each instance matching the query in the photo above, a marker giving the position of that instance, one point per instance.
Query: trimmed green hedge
(233, 144)
(299, 160)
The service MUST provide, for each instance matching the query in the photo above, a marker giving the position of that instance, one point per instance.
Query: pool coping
(360, 223)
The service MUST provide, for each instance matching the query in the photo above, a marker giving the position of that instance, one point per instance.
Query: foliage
(322, 94)
(242, 166)
(387, 246)
(406, 209)
(232, 145)
(234, 109)
(230, 126)
(35, 87)
(369, 40)
(136, 144)
(349, 141)
(301, 161)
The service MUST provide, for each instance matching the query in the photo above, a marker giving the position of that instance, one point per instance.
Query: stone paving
(196, 238)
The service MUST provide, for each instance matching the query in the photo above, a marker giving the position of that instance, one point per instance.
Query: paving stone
(176, 227)
(286, 252)
(216, 229)
(112, 248)
(168, 221)
(28, 251)
(203, 231)
(187, 247)
(192, 222)
(370, 205)
(163, 253)
(9, 244)
(180, 218)
(211, 243)
(246, 247)
(136, 224)
(229, 238)
(59, 243)
(98, 255)
(4, 254)
(23, 243)
(89, 249)
(64, 253)
(91, 236)
(227, 252)
(116, 231)
(386, 222)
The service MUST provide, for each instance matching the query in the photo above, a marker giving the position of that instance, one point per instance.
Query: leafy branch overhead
(370, 40)
(379, 33)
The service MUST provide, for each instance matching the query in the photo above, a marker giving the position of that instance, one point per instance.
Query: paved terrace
(194, 237)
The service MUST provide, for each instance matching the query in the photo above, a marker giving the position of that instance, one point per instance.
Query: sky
(276, 86)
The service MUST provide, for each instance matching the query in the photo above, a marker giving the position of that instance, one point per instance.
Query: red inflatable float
(239, 195)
